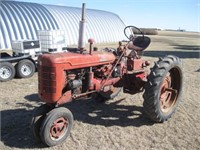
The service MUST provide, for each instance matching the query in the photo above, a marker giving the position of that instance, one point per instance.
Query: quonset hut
(22, 20)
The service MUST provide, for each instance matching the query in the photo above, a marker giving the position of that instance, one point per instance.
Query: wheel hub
(26, 70)
(5, 72)
(58, 128)
(168, 95)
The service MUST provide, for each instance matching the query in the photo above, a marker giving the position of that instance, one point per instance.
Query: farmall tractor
(64, 77)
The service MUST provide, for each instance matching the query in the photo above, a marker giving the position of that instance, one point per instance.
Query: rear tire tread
(150, 95)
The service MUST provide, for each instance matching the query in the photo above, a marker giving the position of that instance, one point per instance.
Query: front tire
(38, 116)
(163, 89)
(7, 71)
(56, 126)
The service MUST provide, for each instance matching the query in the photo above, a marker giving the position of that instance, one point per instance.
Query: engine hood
(76, 60)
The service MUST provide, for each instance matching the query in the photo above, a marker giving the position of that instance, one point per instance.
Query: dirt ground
(118, 124)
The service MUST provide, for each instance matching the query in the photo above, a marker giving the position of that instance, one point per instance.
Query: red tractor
(64, 77)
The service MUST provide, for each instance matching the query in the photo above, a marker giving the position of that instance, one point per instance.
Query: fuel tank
(76, 60)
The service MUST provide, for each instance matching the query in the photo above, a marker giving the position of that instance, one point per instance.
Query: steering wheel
(132, 36)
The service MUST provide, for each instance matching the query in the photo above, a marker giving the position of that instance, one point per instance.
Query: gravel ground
(118, 123)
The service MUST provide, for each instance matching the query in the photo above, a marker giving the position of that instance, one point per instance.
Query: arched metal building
(21, 20)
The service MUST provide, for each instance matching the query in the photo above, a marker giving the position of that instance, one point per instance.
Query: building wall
(21, 21)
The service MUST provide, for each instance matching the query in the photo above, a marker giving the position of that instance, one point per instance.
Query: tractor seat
(139, 43)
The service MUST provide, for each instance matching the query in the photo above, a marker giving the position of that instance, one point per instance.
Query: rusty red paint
(52, 70)
(168, 95)
(58, 128)
(134, 64)
(65, 98)
(76, 60)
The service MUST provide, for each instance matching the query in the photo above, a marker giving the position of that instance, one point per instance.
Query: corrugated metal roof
(21, 20)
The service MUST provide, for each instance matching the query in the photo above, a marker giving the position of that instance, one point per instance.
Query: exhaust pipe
(81, 44)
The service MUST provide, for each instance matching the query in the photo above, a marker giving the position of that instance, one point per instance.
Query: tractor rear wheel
(56, 126)
(37, 118)
(163, 89)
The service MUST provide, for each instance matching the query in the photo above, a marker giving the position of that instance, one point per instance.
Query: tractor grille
(47, 79)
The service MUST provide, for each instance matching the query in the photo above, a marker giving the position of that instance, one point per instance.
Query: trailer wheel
(25, 68)
(56, 126)
(7, 71)
(163, 89)
(37, 118)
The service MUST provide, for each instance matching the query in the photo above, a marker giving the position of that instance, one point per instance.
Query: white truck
(22, 63)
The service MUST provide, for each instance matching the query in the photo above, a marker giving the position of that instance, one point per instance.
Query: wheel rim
(5, 72)
(168, 95)
(26, 70)
(59, 129)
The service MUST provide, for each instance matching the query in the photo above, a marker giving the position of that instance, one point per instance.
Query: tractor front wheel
(56, 126)
(37, 118)
(163, 89)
